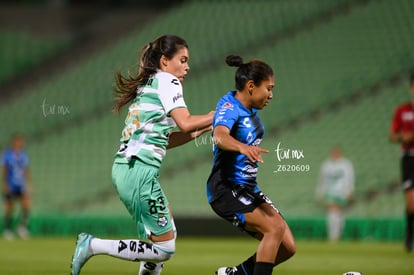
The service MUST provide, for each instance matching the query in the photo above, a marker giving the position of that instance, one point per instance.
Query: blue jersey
(232, 167)
(16, 164)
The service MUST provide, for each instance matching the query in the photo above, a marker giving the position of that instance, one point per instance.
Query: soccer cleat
(81, 255)
(8, 235)
(226, 271)
(23, 233)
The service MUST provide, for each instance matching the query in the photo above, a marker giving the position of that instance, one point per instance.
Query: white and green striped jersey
(148, 122)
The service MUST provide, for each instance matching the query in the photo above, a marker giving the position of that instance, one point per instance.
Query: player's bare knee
(276, 229)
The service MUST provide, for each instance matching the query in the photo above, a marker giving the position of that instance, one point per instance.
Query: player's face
(17, 143)
(178, 65)
(262, 94)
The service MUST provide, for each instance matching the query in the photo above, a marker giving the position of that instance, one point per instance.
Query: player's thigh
(138, 188)
(155, 212)
(9, 199)
(409, 198)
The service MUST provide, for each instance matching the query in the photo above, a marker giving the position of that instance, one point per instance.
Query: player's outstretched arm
(223, 139)
(179, 138)
(189, 123)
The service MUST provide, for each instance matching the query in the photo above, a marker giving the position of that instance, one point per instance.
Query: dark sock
(7, 222)
(261, 268)
(246, 267)
(409, 231)
(24, 219)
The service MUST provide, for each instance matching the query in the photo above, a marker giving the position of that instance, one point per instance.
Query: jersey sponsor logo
(246, 122)
(226, 105)
(175, 81)
(177, 97)
(122, 148)
(248, 171)
(407, 116)
(219, 119)
(249, 137)
(257, 142)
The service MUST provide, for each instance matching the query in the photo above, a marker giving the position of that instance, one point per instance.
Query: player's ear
(163, 61)
(250, 86)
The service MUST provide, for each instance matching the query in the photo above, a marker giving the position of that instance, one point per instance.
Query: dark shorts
(14, 194)
(407, 169)
(233, 203)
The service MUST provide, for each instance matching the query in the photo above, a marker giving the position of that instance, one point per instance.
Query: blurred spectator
(335, 190)
(402, 131)
(16, 186)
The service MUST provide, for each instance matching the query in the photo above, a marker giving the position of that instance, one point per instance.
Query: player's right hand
(253, 153)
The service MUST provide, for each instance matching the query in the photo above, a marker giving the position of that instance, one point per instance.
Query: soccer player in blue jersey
(232, 189)
(17, 185)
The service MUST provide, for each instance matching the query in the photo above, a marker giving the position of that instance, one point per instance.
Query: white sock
(335, 225)
(149, 268)
(131, 250)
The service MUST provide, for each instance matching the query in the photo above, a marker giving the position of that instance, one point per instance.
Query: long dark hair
(125, 88)
(255, 70)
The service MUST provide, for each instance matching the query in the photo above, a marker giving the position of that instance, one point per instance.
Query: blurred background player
(232, 189)
(156, 106)
(335, 190)
(402, 131)
(17, 185)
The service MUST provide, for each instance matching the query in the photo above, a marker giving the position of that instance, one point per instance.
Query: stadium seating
(20, 51)
(92, 78)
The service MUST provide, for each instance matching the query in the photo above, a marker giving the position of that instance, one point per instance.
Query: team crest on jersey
(162, 220)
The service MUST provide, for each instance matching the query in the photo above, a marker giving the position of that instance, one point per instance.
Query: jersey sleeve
(226, 115)
(396, 121)
(171, 93)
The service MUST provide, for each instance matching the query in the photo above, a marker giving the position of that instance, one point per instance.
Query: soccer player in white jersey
(156, 106)
(335, 190)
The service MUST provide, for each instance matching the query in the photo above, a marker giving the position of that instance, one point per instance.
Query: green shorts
(138, 188)
(334, 199)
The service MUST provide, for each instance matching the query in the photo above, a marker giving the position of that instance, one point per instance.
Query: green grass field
(201, 256)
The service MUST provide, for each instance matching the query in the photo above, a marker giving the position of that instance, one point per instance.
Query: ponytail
(125, 88)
